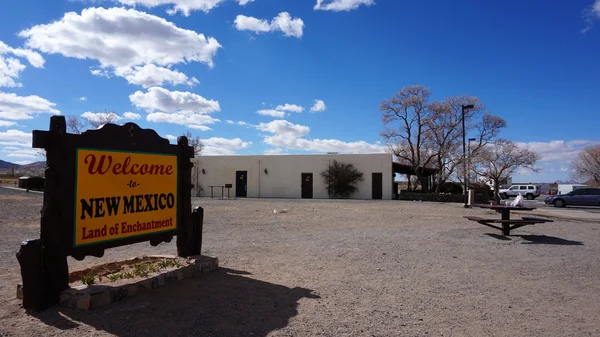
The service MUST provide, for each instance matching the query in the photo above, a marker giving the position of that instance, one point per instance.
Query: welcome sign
(121, 194)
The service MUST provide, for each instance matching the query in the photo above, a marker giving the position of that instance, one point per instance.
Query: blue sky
(244, 75)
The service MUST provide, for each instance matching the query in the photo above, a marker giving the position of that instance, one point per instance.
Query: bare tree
(76, 124)
(194, 142)
(420, 133)
(102, 118)
(446, 129)
(587, 164)
(79, 124)
(500, 159)
(408, 140)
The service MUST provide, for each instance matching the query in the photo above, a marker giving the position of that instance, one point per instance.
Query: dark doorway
(307, 185)
(377, 186)
(241, 184)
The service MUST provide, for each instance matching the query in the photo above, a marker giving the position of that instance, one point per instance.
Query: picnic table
(505, 221)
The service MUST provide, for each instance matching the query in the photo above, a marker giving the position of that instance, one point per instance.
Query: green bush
(341, 179)
(481, 188)
(450, 187)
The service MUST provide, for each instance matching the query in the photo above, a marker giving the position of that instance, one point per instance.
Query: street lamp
(465, 107)
(469, 164)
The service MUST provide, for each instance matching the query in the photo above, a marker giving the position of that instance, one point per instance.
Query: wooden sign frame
(43, 261)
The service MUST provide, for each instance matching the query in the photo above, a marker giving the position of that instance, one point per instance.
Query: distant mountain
(34, 166)
(8, 165)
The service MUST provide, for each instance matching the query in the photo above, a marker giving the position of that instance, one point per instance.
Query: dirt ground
(339, 268)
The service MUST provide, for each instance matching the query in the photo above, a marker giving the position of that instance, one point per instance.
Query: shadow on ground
(223, 303)
(549, 240)
(498, 236)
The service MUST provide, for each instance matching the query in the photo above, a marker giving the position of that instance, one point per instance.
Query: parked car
(529, 192)
(579, 197)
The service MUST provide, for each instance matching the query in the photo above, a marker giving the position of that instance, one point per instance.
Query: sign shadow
(223, 303)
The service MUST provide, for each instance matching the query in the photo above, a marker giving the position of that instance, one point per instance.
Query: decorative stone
(83, 303)
(85, 297)
(100, 299)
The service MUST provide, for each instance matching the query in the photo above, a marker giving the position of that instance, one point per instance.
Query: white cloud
(233, 144)
(100, 73)
(274, 151)
(132, 115)
(100, 116)
(285, 128)
(4, 124)
(200, 127)
(35, 59)
(15, 107)
(319, 106)
(177, 107)
(83, 98)
(229, 121)
(341, 5)
(151, 75)
(290, 107)
(217, 151)
(272, 113)
(590, 15)
(557, 150)
(194, 121)
(171, 137)
(15, 138)
(161, 99)
(106, 35)
(288, 135)
(183, 6)
(564, 169)
(282, 22)
(242, 123)
(11, 68)
(244, 2)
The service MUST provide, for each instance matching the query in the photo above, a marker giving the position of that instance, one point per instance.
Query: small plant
(88, 279)
(141, 270)
(341, 179)
(154, 268)
(128, 275)
(115, 277)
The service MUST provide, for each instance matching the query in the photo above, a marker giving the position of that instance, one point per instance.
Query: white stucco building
(290, 176)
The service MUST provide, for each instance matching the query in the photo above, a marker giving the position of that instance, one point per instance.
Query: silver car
(579, 197)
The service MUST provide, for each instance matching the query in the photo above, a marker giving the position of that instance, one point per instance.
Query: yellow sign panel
(124, 194)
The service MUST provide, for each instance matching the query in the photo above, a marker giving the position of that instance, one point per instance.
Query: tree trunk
(496, 194)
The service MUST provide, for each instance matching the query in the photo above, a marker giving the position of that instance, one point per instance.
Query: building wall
(284, 174)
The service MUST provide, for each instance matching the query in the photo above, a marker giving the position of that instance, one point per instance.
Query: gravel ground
(339, 268)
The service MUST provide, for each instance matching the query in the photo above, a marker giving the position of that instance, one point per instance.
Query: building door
(307, 185)
(241, 184)
(377, 186)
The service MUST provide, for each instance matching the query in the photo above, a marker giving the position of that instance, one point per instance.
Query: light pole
(464, 107)
(469, 164)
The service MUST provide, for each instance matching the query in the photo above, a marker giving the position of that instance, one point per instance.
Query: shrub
(341, 179)
(481, 188)
(450, 187)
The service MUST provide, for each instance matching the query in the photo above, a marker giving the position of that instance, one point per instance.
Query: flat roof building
(290, 176)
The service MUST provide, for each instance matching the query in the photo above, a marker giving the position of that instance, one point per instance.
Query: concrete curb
(94, 296)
